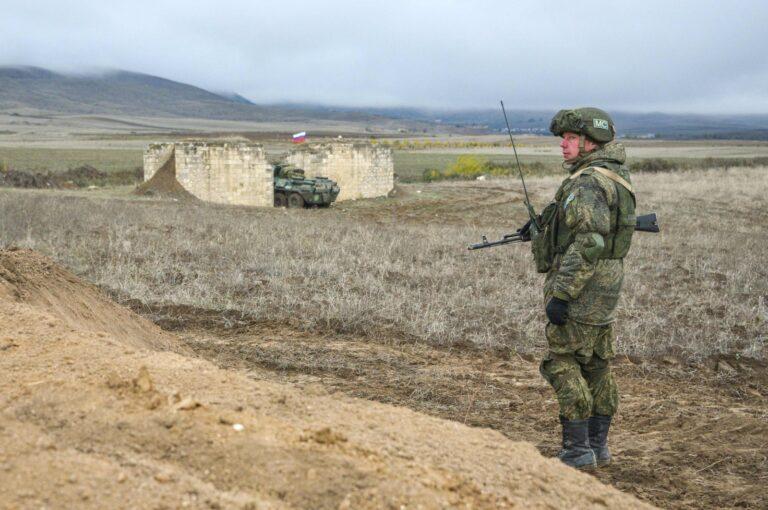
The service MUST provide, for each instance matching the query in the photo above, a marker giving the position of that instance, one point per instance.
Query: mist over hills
(25, 89)
(115, 92)
(644, 125)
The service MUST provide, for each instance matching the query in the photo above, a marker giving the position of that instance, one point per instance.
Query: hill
(629, 124)
(33, 89)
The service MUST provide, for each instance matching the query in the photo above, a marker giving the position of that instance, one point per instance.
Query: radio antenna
(531, 213)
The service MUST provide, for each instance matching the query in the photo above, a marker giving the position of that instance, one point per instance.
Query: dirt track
(94, 416)
(686, 436)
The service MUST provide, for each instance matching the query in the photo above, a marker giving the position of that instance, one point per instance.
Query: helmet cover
(592, 122)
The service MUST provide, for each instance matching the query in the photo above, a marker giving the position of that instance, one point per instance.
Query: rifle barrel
(513, 238)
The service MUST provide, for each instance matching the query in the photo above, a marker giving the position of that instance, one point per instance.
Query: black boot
(598, 438)
(576, 451)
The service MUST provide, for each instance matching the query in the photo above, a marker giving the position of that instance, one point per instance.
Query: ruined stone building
(240, 174)
(226, 173)
(360, 169)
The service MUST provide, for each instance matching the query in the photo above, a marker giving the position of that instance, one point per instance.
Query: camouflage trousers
(577, 367)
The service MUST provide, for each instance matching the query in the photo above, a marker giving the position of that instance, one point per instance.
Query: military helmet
(592, 122)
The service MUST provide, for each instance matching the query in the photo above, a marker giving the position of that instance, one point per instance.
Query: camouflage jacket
(590, 284)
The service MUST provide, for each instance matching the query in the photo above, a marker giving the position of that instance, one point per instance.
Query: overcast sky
(676, 56)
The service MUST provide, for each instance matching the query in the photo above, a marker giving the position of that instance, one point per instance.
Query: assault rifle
(644, 223)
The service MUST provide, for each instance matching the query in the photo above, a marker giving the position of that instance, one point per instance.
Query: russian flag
(300, 137)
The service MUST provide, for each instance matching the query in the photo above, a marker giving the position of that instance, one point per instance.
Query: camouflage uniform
(577, 365)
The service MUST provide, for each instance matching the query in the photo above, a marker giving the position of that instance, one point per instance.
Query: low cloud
(681, 56)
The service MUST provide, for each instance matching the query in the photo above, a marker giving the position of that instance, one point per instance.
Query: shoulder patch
(568, 201)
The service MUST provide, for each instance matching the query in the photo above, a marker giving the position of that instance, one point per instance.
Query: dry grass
(57, 160)
(702, 286)
(399, 269)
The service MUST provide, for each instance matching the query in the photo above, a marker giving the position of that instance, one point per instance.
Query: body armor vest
(556, 237)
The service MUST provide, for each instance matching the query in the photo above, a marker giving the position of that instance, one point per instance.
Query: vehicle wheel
(295, 201)
(280, 200)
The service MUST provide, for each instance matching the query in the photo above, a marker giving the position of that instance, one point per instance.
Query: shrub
(432, 174)
(466, 167)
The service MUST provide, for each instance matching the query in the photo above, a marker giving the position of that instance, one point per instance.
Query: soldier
(585, 234)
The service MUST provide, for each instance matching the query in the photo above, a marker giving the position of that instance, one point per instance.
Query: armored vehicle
(293, 189)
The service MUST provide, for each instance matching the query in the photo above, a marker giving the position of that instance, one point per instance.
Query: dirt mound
(399, 191)
(87, 422)
(21, 179)
(79, 177)
(30, 278)
(164, 184)
(82, 176)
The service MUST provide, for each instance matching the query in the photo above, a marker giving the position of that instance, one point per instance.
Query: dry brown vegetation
(399, 268)
(380, 299)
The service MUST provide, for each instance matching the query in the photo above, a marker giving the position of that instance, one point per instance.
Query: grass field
(45, 159)
(410, 165)
(400, 268)
(122, 153)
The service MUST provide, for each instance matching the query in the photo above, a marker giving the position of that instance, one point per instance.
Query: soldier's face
(570, 145)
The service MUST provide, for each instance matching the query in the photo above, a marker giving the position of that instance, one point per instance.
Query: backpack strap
(606, 173)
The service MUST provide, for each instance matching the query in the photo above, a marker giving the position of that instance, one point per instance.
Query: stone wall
(226, 173)
(360, 169)
(154, 157)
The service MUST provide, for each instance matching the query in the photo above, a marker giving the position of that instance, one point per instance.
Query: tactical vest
(556, 237)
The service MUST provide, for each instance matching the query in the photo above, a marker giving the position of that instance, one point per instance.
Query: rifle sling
(607, 173)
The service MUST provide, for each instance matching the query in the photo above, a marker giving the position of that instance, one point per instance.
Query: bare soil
(72, 178)
(164, 183)
(101, 409)
(687, 435)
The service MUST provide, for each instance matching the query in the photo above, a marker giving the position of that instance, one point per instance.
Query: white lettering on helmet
(600, 123)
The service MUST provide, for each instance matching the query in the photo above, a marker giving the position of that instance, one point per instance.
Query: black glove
(525, 231)
(557, 311)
